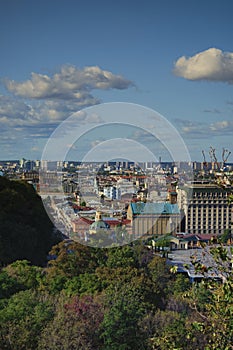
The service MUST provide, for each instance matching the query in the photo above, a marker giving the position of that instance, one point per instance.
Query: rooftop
(154, 208)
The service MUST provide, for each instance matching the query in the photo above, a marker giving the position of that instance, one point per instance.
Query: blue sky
(57, 57)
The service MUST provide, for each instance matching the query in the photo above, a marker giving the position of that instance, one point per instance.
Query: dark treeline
(26, 232)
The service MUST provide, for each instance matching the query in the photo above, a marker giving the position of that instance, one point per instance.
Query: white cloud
(202, 130)
(212, 64)
(15, 113)
(38, 105)
(190, 128)
(223, 126)
(70, 83)
(10, 107)
(81, 117)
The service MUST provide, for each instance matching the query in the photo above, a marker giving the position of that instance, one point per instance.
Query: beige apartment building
(205, 207)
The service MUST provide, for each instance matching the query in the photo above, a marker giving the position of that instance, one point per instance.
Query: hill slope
(26, 231)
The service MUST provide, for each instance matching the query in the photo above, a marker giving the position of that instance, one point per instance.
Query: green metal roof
(154, 208)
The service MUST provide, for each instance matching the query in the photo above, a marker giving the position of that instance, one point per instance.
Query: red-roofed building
(81, 208)
(196, 240)
(81, 225)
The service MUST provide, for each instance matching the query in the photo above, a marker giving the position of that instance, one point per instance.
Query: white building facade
(112, 192)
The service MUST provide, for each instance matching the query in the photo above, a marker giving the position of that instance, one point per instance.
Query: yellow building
(154, 218)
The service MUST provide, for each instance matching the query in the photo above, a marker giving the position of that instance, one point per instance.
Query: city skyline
(173, 57)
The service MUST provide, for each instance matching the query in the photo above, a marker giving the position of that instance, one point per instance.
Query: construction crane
(225, 155)
(204, 158)
(212, 153)
(213, 157)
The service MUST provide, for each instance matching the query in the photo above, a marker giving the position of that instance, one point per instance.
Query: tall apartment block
(206, 208)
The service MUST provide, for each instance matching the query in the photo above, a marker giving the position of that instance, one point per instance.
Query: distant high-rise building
(37, 163)
(29, 165)
(22, 162)
(48, 165)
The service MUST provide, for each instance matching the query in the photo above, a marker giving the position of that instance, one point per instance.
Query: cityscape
(191, 200)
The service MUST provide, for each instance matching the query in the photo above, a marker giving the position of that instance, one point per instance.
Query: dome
(98, 225)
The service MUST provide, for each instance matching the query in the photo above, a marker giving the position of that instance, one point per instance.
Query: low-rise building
(81, 226)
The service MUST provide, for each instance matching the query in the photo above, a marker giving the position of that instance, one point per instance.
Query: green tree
(212, 304)
(8, 285)
(164, 330)
(71, 259)
(84, 284)
(22, 319)
(161, 280)
(125, 305)
(226, 236)
(181, 284)
(122, 257)
(135, 255)
(25, 274)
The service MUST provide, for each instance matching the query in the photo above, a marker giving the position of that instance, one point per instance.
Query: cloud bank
(33, 108)
(211, 65)
(43, 99)
(200, 130)
(70, 83)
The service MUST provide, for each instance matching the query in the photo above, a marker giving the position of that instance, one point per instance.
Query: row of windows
(214, 204)
(224, 224)
(210, 225)
(209, 220)
(212, 231)
(209, 210)
(210, 217)
(209, 213)
(210, 195)
(208, 200)
(208, 228)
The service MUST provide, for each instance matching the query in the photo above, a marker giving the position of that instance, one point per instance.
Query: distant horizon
(102, 162)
